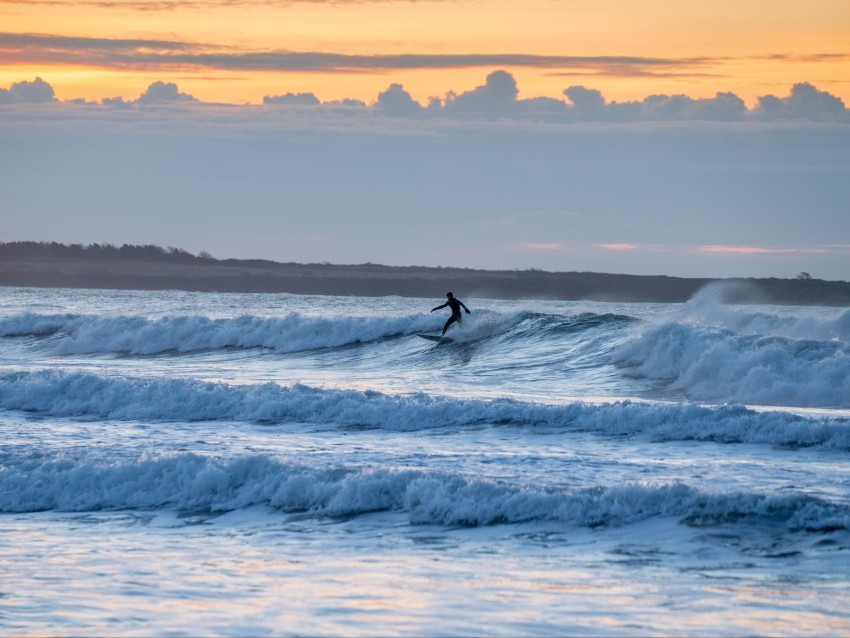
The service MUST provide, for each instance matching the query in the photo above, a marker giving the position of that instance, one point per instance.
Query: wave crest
(194, 482)
(720, 365)
(135, 335)
(91, 396)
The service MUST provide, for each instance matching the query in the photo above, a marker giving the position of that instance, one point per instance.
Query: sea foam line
(92, 396)
(189, 481)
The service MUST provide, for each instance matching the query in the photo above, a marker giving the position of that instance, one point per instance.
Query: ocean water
(224, 464)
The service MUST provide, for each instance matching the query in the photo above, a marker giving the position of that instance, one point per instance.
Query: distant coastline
(52, 265)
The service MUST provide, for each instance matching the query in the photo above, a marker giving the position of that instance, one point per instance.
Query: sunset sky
(705, 138)
(237, 51)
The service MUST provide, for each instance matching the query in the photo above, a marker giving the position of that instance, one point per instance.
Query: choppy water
(292, 465)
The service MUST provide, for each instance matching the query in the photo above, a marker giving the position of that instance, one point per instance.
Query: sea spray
(715, 364)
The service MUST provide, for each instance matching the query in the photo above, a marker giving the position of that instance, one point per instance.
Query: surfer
(455, 305)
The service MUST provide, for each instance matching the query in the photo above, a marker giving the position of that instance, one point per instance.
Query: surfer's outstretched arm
(443, 306)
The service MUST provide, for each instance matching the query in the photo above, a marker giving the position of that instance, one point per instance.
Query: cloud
(722, 107)
(36, 92)
(586, 100)
(618, 246)
(498, 95)
(816, 57)
(590, 104)
(542, 246)
(805, 102)
(297, 99)
(684, 249)
(497, 99)
(164, 93)
(347, 102)
(395, 101)
(760, 250)
(35, 48)
(158, 93)
(116, 102)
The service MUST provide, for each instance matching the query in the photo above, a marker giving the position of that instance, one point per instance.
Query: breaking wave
(195, 482)
(136, 335)
(704, 351)
(84, 334)
(714, 364)
(92, 396)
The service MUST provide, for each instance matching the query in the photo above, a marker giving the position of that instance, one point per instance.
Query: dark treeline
(149, 267)
(54, 250)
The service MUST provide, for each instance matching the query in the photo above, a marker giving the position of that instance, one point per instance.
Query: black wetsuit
(455, 305)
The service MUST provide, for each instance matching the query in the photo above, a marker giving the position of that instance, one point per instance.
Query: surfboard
(436, 338)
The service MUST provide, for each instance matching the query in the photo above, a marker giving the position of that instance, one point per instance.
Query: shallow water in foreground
(286, 465)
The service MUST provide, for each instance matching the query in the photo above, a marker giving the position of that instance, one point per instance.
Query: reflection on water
(250, 573)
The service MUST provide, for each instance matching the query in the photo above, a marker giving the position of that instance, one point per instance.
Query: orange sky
(212, 49)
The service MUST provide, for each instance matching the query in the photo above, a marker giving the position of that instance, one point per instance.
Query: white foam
(88, 395)
(194, 482)
(720, 365)
(84, 334)
(706, 309)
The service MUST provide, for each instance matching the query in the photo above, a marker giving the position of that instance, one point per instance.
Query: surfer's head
(449, 295)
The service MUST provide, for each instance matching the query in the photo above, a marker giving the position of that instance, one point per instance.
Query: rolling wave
(705, 353)
(32, 324)
(92, 396)
(136, 335)
(189, 481)
(714, 364)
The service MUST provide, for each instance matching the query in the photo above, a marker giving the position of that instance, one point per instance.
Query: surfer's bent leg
(451, 320)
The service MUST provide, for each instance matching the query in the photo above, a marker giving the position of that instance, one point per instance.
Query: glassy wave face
(717, 427)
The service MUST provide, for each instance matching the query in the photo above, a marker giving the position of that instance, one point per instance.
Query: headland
(43, 264)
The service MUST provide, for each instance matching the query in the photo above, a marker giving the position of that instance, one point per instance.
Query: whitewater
(259, 464)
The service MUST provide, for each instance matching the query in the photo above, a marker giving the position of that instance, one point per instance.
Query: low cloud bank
(483, 177)
(498, 98)
(36, 92)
